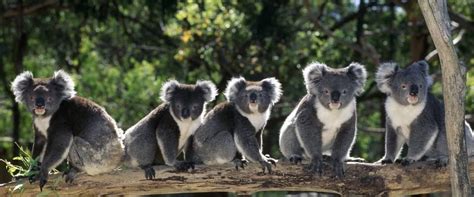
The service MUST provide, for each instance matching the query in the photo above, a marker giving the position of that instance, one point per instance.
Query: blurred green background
(121, 51)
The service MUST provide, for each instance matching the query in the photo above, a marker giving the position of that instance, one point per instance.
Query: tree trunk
(360, 179)
(436, 16)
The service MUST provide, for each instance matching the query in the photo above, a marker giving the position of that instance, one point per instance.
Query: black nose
(39, 102)
(413, 90)
(253, 97)
(185, 113)
(335, 95)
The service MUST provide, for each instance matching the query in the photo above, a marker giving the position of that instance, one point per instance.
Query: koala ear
(167, 90)
(357, 72)
(209, 89)
(313, 73)
(385, 72)
(65, 84)
(234, 85)
(425, 69)
(273, 87)
(20, 84)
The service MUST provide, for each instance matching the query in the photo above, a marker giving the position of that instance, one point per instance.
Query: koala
(414, 115)
(169, 126)
(68, 126)
(232, 130)
(324, 121)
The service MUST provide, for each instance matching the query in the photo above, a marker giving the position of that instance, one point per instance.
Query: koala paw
(271, 160)
(70, 175)
(43, 179)
(149, 172)
(266, 165)
(407, 162)
(386, 161)
(316, 166)
(296, 159)
(240, 163)
(338, 167)
(441, 163)
(184, 166)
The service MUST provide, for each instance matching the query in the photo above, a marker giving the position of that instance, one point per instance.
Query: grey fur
(317, 126)
(235, 127)
(409, 99)
(160, 129)
(68, 126)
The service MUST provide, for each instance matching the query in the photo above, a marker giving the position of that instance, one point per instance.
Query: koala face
(188, 101)
(334, 88)
(43, 96)
(407, 86)
(253, 96)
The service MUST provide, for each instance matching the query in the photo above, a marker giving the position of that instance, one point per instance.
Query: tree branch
(29, 10)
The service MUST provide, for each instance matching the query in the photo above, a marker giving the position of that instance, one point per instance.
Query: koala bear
(68, 126)
(169, 126)
(232, 130)
(324, 121)
(414, 115)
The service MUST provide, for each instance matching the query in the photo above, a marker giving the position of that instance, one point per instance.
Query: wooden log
(360, 178)
(435, 13)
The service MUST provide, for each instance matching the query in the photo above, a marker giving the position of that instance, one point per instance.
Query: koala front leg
(259, 137)
(342, 145)
(421, 140)
(57, 149)
(168, 143)
(37, 153)
(247, 144)
(308, 132)
(393, 144)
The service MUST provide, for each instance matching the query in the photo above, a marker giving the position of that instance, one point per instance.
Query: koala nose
(39, 102)
(185, 113)
(253, 97)
(413, 90)
(335, 95)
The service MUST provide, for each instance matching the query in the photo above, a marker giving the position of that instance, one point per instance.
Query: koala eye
(404, 86)
(32, 98)
(195, 107)
(344, 91)
(178, 106)
(326, 91)
(421, 86)
(260, 94)
(49, 99)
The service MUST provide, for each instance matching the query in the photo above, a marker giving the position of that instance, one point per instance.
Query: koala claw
(240, 163)
(69, 175)
(316, 166)
(184, 166)
(338, 168)
(441, 163)
(149, 172)
(271, 160)
(32, 178)
(266, 165)
(406, 162)
(42, 181)
(296, 159)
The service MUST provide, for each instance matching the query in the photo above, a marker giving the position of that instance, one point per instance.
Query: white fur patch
(401, 116)
(187, 127)
(289, 121)
(332, 121)
(257, 119)
(42, 124)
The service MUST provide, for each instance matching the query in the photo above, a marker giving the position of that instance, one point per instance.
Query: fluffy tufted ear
(209, 89)
(273, 87)
(65, 84)
(167, 90)
(234, 85)
(425, 69)
(357, 72)
(313, 73)
(20, 84)
(385, 72)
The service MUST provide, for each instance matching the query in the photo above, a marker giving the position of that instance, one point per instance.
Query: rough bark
(435, 13)
(360, 178)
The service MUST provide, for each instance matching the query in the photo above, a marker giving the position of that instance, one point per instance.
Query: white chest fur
(333, 119)
(401, 116)
(187, 127)
(42, 124)
(257, 119)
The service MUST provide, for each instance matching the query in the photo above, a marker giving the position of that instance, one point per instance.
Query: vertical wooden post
(435, 13)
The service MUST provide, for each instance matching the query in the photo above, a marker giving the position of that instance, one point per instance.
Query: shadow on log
(360, 178)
